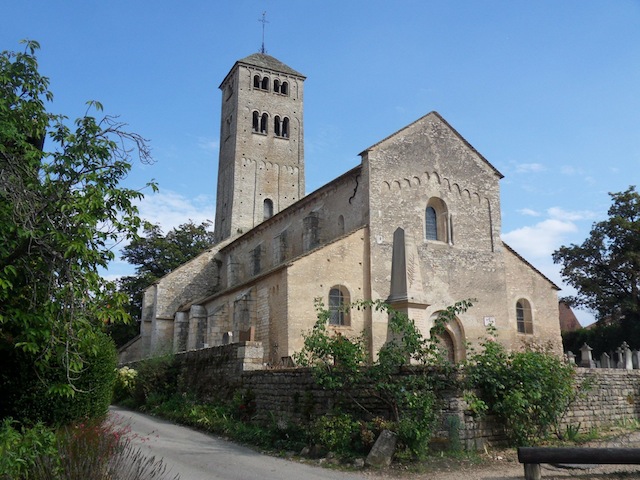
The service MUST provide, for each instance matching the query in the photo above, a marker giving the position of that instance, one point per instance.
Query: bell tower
(261, 163)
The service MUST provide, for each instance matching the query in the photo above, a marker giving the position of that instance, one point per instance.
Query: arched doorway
(446, 346)
(452, 340)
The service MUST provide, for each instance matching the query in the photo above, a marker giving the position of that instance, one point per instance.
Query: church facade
(416, 224)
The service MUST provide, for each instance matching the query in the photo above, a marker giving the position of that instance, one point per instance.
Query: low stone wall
(290, 394)
(216, 372)
(608, 396)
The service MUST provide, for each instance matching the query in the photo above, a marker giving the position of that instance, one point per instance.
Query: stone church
(416, 224)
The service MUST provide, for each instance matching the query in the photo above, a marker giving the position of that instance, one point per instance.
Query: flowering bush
(125, 383)
(92, 450)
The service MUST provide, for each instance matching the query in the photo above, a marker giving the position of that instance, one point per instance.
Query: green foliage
(21, 447)
(29, 397)
(337, 433)
(339, 364)
(571, 432)
(605, 269)
(528, 391)
(93, 450)
(124, 384)
(244, 405)
(225, 419)
(603, 337)
(157, 380)
(336, 359)
(61, 211)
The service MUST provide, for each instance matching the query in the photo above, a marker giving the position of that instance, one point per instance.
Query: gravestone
(628, 362)
(605, 361)
(585, 357)
(383, 450)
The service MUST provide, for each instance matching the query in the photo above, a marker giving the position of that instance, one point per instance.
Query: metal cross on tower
(264, 21)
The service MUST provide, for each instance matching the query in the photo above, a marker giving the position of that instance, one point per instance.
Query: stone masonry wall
(607, 397)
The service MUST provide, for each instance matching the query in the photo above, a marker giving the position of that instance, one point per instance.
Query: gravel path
(504, 465)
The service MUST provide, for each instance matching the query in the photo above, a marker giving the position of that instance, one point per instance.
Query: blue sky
(548, 91)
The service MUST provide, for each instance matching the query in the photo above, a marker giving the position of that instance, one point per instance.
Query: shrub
(338, 364)
(528, 391)
(124, 384)
(29, 400)
(20, 447)
(337, 433)
(157, 379)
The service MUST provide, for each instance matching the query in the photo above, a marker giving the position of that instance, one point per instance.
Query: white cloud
(170, 209)
(529, 212)
(530, 167)
(573, 216)
(541, 239)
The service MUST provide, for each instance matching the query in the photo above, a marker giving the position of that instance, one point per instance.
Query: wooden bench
(532, 457)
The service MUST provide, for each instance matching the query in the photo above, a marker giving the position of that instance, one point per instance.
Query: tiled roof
(270, 63)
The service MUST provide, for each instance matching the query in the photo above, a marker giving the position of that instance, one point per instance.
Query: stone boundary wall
(290, 394)
(608, 396)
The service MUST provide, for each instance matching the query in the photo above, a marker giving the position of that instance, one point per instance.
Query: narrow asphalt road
(198, 456)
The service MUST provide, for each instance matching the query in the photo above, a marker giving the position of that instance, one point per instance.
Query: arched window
(256, 122)
(436, 220)
(256, 81)
(338, 302)
(523, 317)
(263, 123)
(285, 127)
(432, 223)
(284, 88)
(276, 126)
(268, 208)
(340, 225)
(265, 83)
(276, 86)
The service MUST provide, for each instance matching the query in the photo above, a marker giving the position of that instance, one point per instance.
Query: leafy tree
(61, 210)
(605, 269)
(155, 255)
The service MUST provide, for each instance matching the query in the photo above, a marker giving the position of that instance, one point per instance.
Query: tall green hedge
(24, 390)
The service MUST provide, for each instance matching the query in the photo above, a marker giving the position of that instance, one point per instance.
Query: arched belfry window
(285, 127)
(276, 86)
(256, 122)
(268, 208)
(276, 126)
(339, 300)
(263, 123)
(524, 318)
(256, 81)
(265, 83)
(284, 88)
(436, 220)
